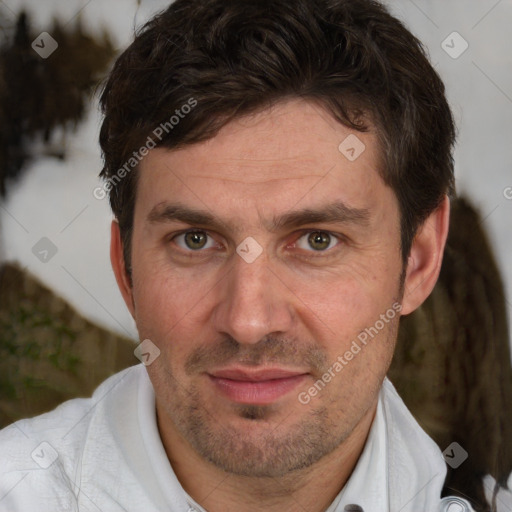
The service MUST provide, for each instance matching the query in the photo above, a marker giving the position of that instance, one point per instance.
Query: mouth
(256, 386)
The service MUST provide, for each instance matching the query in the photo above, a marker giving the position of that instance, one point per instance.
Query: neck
(313, 488)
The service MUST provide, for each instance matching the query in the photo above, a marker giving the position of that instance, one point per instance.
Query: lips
(255, 386)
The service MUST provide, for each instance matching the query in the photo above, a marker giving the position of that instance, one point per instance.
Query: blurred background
(63, 324)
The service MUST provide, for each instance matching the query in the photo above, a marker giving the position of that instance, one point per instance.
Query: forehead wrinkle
(232, 170)
(245, 182)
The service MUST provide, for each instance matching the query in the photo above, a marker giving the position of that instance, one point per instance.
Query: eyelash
(340, 239)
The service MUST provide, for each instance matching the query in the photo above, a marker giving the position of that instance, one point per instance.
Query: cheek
(171, 307)
(348, 301)
(360, 361)
(160, 302)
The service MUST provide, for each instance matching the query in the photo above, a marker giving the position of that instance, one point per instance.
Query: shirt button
(454, 505)
(353, 508)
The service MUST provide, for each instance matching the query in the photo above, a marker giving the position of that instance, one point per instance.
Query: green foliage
(48, 352)
(30, 333)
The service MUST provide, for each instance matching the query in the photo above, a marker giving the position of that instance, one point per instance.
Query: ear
(425, 258)
(118, 265)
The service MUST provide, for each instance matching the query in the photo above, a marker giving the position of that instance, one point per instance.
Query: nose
(253, 302)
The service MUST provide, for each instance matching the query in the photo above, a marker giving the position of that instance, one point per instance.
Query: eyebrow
(331, 213)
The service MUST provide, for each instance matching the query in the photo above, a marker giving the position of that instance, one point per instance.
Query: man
(279, 172)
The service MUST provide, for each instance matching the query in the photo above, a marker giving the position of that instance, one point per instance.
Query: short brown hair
(235, 57)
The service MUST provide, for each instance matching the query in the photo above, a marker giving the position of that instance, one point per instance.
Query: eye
(319, 241)
(194, 240)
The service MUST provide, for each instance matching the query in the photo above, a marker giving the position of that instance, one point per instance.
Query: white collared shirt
(105, 453)
(368, 484)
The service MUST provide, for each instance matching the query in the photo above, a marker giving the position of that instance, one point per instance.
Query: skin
(298, 305)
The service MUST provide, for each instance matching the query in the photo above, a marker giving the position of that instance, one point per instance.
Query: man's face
(295, 253)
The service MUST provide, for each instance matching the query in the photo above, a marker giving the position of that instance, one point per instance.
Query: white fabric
(109, 457)
(368, 485)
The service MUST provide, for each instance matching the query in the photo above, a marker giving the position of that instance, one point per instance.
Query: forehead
(294, 152)
(289, 136)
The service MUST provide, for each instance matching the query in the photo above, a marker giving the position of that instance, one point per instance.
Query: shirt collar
(400, 468)
(368, 485)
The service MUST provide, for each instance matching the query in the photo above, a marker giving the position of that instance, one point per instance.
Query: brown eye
(193, 240)
(319, 240)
